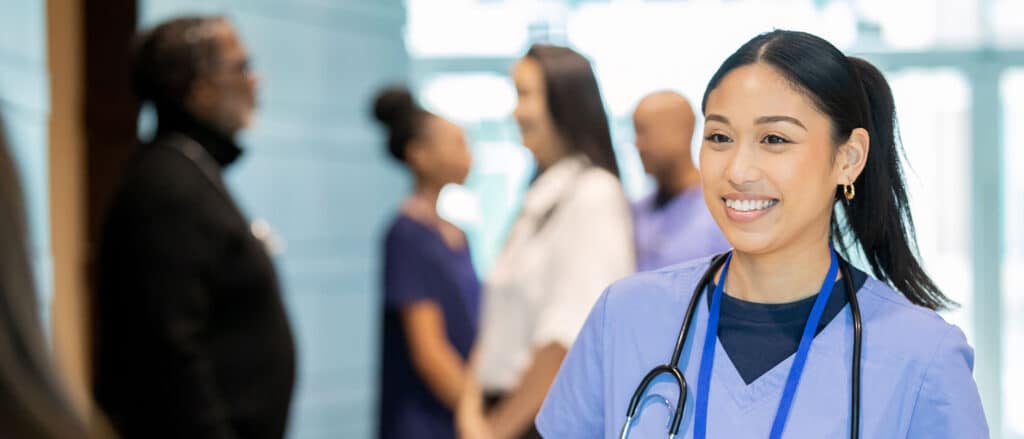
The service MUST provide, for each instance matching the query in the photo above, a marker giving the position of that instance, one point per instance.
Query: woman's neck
(555, 152)
(422, 206)
(782, 276)
(427, 193)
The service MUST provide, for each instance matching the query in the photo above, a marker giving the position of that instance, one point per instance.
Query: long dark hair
(854, 94)
(32, 403)
(574, 101)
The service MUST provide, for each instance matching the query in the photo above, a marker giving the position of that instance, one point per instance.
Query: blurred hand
(473, 427)
(470, 422)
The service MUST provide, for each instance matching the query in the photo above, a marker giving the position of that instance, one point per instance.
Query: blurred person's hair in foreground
(33, 403)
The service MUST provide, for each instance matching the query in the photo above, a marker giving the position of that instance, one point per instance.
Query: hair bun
(394, 105)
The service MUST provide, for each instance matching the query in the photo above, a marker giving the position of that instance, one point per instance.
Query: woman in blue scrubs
(800, 156)
(431, 292)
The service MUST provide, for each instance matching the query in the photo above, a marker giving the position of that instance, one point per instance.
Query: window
(934, 134)
(1013, 263)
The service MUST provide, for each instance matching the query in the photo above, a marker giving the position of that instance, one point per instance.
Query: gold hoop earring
(849, 191)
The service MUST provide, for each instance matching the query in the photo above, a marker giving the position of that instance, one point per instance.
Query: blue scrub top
(418, 266)
(916, 371)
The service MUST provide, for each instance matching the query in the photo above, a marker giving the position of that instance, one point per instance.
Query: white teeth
(749, 205)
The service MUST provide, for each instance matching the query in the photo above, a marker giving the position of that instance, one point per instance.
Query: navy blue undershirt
(759, 336)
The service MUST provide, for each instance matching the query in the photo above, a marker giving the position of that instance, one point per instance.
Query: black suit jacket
(192, 339)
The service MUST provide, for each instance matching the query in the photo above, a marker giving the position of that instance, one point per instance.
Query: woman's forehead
(756, 90)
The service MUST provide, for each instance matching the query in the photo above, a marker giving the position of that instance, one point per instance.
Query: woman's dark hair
(853, 94)
(169, 58)
(32, 402)
(404, 119)
(574, 101)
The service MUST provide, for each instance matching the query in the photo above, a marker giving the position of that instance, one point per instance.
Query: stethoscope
(672, 368)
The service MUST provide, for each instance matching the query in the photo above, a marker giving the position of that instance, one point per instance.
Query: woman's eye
(772, 139)
(718, 138)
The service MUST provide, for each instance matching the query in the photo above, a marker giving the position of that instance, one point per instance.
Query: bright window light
(473, 97)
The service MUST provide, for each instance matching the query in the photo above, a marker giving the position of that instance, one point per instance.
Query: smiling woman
(792, 126)
(770, 168)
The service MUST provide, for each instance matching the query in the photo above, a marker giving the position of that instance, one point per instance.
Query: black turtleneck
(221, 147)
(192, 336)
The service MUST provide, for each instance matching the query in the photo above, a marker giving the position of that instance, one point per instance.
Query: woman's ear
(416, 156)
(853, 156)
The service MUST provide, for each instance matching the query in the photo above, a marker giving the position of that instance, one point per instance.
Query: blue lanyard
(708, 354)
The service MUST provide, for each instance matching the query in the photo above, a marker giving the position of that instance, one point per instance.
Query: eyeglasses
(240, 67)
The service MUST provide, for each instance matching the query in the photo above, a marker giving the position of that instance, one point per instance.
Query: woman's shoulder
(915, 343)
(886, 303)
(662, 287)
(905, 327)
(596, 187)
(597, 177)
(404, 230)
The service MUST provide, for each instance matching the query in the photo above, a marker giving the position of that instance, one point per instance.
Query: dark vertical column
(110, 108)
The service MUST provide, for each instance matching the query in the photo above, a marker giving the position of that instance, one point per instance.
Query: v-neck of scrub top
(826, 343)
(758, 336)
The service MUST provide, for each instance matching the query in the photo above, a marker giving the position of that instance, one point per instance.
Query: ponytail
(879, 218)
